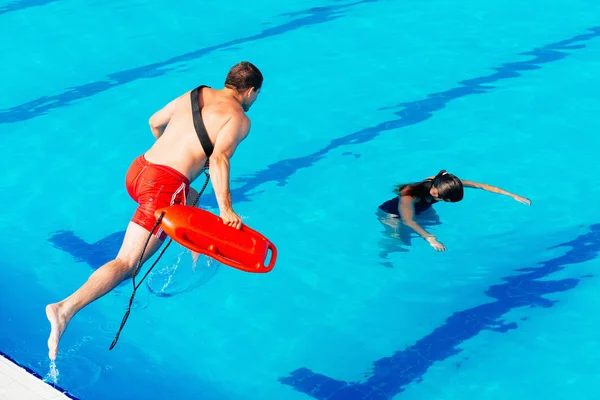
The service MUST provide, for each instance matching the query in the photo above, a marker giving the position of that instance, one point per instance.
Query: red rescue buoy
(204, 232)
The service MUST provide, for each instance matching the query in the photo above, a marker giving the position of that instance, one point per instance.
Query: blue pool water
(358, 96)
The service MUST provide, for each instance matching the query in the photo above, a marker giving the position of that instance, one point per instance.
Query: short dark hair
(243, 76)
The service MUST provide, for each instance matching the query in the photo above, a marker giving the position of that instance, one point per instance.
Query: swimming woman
(415, 198)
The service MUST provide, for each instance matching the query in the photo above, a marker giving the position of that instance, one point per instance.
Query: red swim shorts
(154, 186)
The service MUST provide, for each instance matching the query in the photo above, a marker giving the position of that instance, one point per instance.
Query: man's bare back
(162, 177)
(178, 146)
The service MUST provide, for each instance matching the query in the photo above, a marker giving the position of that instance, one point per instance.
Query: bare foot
(58, 323)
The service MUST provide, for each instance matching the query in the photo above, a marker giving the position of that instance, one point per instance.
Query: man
(187, 130)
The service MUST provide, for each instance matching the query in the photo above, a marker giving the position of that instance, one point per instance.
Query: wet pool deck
(16, 383)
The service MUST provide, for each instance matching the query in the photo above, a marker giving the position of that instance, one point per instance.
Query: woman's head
(443, 187)
(446, 187)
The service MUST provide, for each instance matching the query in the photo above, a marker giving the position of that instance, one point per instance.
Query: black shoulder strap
(199, 124)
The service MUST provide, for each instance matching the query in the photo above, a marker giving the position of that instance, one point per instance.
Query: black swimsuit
(391, 206)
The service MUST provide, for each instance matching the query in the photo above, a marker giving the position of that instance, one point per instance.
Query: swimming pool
(358, 96)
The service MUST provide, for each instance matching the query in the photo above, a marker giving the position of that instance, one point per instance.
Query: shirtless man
(162, 176)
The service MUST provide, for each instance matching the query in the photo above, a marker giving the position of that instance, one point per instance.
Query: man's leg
(102, 281)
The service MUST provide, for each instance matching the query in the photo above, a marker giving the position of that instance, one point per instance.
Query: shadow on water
(175, 273)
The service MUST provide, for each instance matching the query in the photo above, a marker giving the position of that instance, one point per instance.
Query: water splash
(184, 273)
(53, 373)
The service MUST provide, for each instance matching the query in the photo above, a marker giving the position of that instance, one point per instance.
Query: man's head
(246, 80)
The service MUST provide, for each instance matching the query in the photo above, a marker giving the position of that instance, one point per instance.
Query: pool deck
(16, 383)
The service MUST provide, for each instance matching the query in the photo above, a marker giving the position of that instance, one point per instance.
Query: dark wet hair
(450, 188)
(243, 76)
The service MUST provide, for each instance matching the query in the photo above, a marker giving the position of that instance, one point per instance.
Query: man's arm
(230, 136)
(161, 118)
(494, 189)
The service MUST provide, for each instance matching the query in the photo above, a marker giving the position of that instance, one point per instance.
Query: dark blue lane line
(414, 112)
(391, 375)
(410, 113)
(23, 4)
(40, 106)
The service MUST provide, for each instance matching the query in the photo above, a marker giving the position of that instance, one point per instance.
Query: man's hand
(230, 218)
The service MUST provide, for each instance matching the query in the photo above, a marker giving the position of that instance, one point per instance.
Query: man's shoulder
(238, 116)
(243, 122)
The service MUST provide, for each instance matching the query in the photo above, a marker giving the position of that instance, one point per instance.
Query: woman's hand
(435, 244)
(522, 199)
